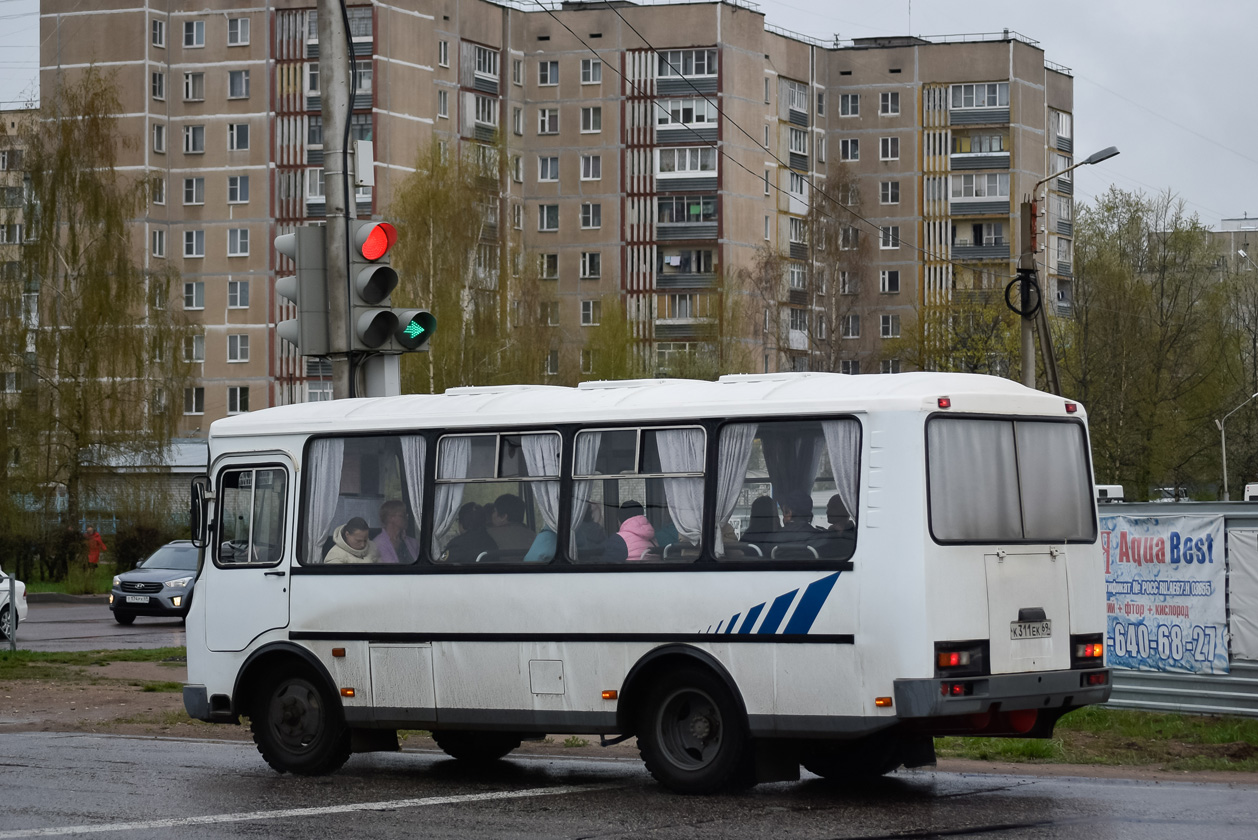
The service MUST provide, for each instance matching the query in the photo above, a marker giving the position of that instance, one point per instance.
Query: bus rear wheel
(691, 734)
(476, 747)
(297, 725)
(868, 758)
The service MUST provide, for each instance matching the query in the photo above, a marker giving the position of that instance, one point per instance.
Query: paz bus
(826, 570)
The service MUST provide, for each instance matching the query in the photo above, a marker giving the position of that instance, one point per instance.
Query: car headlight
(117, 581)
(179, 583)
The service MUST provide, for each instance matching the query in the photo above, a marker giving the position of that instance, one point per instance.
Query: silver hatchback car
(160, 586)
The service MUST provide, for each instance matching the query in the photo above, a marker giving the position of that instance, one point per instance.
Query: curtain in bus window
(541, 456)
(681, 451)
(453, 457)
(842, 442)
(792, 459)
(731, 467)
(323, 480)
(414, 452)
(584, 460)
(973, 480)
(1053, 478)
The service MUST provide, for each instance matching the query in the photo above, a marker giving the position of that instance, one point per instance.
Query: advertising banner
(1165, 593)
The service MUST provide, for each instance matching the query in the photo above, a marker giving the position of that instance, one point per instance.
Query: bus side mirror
(199, 511)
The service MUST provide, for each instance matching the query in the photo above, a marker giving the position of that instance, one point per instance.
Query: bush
(135, 541)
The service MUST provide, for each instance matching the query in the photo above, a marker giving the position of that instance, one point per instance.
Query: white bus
(811, 569)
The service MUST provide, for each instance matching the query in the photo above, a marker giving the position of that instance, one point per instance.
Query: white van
(1251, 492)
(1109, 492)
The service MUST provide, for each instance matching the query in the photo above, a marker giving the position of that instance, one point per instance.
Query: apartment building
(658, 153)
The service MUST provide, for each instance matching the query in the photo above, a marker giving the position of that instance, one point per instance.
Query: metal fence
(1197, 694)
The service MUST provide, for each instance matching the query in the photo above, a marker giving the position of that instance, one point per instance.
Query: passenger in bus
(797, 524)
(393, 543)
(634, 540)
(352, 543)
(506, 524)
(543, 548)
(590, 533)
(763, 525)
(473, 540)
(838, 541)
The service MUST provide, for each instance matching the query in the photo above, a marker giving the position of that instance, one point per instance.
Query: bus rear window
(997, 481)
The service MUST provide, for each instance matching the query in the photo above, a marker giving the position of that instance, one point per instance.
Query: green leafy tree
(86, 331)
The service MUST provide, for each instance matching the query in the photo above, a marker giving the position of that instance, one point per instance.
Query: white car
(7, 623)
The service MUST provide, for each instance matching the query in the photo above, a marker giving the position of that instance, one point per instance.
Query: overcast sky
(1163, 80)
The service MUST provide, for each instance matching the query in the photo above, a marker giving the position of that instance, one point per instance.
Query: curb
(60, 598)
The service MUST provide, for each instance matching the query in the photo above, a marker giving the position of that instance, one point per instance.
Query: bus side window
(251, 516)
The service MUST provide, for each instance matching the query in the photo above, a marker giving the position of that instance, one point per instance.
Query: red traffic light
(375, 240)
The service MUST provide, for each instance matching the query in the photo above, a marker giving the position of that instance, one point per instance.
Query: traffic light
(372, 323)
(415, 328)
(308, 289)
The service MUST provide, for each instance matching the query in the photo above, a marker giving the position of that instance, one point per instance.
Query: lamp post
(1026, 271)
(1223, 438)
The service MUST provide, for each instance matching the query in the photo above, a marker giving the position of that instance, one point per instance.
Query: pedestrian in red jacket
(95, 545)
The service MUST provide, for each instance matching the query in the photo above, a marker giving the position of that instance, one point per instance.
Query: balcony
(680, 231)
(978, 116)
(979, 160)
(965, 249)
(682, 329)
(989, 207)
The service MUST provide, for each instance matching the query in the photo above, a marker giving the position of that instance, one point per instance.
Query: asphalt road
(84, 622)
(74, 784)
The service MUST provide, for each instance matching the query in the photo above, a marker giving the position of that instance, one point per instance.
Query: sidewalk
(61, 598)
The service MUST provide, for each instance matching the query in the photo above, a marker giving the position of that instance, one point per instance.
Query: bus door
(1028, 605)
(246, 591)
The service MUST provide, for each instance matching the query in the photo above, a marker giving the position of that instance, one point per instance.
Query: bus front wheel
(476, 747)
(297, 725)
(691, 734)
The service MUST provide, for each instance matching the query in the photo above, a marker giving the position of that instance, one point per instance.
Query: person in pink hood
(636, 535)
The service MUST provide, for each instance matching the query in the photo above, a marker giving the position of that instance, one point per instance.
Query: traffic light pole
(334, 88)
(1026, 269)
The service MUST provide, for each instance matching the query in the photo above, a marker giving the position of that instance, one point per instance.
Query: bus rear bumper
(951, 696)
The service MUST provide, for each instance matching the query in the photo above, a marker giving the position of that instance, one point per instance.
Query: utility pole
(334, 90)
(1026, 277)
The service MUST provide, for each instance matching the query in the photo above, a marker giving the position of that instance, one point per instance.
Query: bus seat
(794, 552)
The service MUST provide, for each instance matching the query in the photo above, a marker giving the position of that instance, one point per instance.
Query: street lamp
(1026, 271)
(1223, 437)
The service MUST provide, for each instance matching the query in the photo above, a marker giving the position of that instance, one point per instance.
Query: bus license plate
(137, 599)
(1030, 629)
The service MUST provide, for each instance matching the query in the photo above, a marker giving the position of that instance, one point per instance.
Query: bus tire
(858, 761)
(692, 736)
(476, 747)
(297, 724)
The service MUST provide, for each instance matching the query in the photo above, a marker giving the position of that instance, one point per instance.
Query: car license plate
(1030, 629)
(137, 599)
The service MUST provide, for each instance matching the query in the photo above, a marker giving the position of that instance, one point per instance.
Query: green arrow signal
(413, 330)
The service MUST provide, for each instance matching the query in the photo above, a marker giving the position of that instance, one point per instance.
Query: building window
(486, 110)
(990, 185)
(688, 63)
(591, 216)
(799, 141)
(159, 85)
(796, 276)
(194, 33)
(889, 282)
(1060, 163)
(237, 399)
(237, 294)
(193, 190)
(890, 365)
(517, 215)
(517, 121)
(1063, 250)
(318, 392)
(851, 325)
(768, 182)
(548, 168)
(848, 283)
(849, 105)
(587, 360)
(552, 363)
(987, 95)
(194, 348)
(314, 185)
(194, 243)
(159, 138)
(821, 104)
(548, 121)
(889, 192)
(237, 189)
(799, 319)
(849, 238)
(799, 232)
(237, 84)
(852, 367)
(686, 208)
(547, 73)
(797, 185)
(591, 167)
(850, 149)
(685, 160)
(821, 149)
(443, 104)
(193, 400)
(697, 112)
(889, 148)
(550, 313)
(591, 71)
(443, 53)
(159, 33)
(237, 348)
(194, 139)
(194, 294)
(312, 81)
(549, 266)
(1062, 207)
(238, 136)
(238, 242)
(517, 71)
(977, 143)
(548, 217)
(237, 32)
(889, 237)
(591, 120)
(796, 96)
(486, 63)
(890, 326)
(890, 104)
(159, 243)
(591, 265)
(1061, 123)
(194, 87)
(591, 312)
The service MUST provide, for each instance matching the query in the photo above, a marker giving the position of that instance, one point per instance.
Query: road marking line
(247, 816)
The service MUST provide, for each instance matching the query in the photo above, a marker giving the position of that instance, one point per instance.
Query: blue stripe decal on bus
(814, 598)
(777, 612)
(732, 622)
(750, 621)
